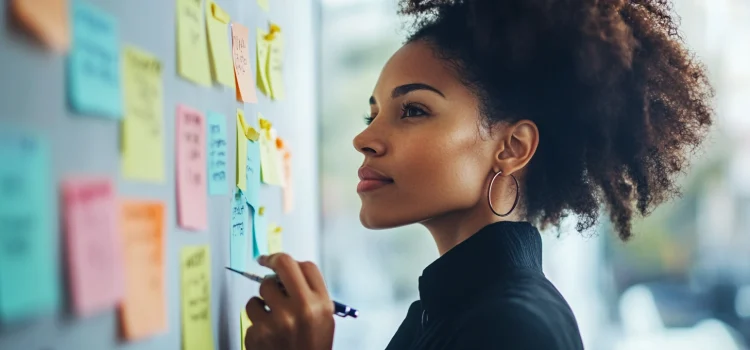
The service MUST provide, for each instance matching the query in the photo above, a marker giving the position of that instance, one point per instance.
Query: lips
(371, 180)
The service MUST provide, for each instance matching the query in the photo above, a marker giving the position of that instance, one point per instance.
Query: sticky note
(192, 53)
(245, 323)
(195, 287)
(241, 58)
(217, 26)
(94, 86)
(288, 190)
(265, 5)
(47, 20)
(143, 127)
(269, 157)
(192, 190)
(260, 232)
(252, 172)
(262, 49)
(29, 282)
(239, 230)
(94, 246)
(241, 152)
(217, 153)
(276, 67)
(143, 312)
(274, 239)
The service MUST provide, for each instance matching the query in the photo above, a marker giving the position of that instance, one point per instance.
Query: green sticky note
(28, 227)
(260, 232)
(94, 86)
(217, 153)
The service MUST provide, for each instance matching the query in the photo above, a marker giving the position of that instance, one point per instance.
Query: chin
(373, 221)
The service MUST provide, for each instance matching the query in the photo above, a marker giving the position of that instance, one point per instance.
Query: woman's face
(426, 152)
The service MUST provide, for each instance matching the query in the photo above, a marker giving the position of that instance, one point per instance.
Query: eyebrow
(407, 88)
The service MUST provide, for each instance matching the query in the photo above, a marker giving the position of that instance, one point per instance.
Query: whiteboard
(32, 94)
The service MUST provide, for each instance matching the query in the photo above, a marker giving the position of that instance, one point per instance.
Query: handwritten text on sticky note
(241, 57)
(143, 126)
(94, 249)
(262, 49)
(239, 232)
(192, 191)
(217, 153)
(94, 63)
(192, 53)
(276, 67)
(195, 267)
(143, 311)
(252, 172)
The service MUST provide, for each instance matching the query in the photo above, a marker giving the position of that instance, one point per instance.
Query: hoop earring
(489, 195)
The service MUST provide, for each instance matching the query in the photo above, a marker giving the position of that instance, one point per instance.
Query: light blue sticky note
(260, 234)
(28, 227)
(217, 153)
(94, 82)
(252, 172)
(238, 233)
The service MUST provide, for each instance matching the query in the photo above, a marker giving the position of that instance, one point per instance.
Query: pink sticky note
(94, 249)
(192, 192)
(241, 56)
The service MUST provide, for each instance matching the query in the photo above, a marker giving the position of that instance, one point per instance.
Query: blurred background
(682, 283)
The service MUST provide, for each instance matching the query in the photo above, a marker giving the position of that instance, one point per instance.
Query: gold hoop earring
(489, 195)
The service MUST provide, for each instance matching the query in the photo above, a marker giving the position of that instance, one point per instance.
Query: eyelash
(404, 107)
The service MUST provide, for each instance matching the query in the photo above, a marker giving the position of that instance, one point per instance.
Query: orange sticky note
(45, 19)
(143, 312)
(192, 188)
(241, 57)
(288, 190)
(94, 248)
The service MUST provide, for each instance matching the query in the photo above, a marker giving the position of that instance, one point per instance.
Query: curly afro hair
(619, 101)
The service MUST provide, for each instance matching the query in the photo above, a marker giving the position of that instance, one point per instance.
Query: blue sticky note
(217, 153)
(252, 172)
(239, 230)
(28, 227)
(94, 81)
(260, 234)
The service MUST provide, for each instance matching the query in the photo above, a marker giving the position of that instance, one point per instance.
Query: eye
(412, 110)
(369, 118)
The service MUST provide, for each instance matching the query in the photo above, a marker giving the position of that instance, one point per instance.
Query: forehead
(415, 62)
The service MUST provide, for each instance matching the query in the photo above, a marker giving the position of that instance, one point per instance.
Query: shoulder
(529, 314)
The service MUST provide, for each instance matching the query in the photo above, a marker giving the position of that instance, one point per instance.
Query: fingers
(256, 311)
(289, 273)
(314, 277)
(272, 293)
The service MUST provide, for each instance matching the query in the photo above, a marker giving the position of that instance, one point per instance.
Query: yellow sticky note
(269, 155)
(245, 323)
(262, 49)
(195, 276)
(143, 125)
(192, 53)
(274, 239)
(241, 151)
(265, 5)
(217, 26)
(276, 67)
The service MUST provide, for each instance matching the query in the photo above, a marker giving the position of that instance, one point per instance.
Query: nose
(369, 143)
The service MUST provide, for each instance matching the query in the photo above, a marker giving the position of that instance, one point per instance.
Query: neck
(450, 229)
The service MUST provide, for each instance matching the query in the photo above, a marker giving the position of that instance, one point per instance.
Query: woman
(495, 115)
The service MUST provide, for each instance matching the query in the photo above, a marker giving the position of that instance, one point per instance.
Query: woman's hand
(301, 314)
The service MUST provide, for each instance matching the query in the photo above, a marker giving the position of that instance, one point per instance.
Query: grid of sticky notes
(115, 244)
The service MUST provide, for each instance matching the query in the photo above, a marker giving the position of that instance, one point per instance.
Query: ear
(517, 146)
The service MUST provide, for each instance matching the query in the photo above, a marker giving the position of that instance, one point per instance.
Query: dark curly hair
(619, 101)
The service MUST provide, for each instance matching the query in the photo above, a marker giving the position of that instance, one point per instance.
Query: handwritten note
(94, 249)
(274, 239)
(217, 153)
(47, 20)
(276, 67)
(192, 53)
(143, 127)
(191, 169)
(252, 172)
(94, 63)
(241, 152)
(288, 190)
(28, 245)
(217, 24)
(265, 5)
(262, 49)
(238, 235)
(260, 232)
(245, 323)
(195, 266)
(143, 312)
(241, 57)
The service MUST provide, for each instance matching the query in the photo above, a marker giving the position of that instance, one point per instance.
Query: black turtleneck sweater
(489, 292)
